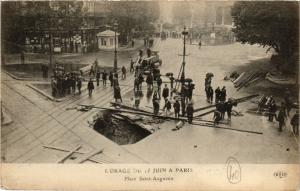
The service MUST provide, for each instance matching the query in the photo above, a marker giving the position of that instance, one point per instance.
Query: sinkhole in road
(118, 129)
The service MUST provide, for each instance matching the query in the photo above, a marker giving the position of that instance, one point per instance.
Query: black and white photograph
(151, 82)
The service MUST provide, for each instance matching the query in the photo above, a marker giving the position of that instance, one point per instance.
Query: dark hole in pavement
(119, 131)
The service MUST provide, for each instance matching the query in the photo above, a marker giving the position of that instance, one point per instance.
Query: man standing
(104, 78)
(272, 110)
(190, 112)
(228, 107)
(79, 83)
(149, 81)
(123, 72)
(159, 82)
(117, 94)
(111, 77)
(210, 94)
(155, 102)
(176, 107)
(98, 77)
(183, 107)
(165, 92)
(90, 87)
(295, 123)
(167, 106)
(217, 95)
(280, 118)
(131, 65)
(223, 94)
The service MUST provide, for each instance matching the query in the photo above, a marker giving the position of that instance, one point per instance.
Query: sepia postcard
(149, 95)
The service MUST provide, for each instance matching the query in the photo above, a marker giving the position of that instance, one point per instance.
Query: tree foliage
(181, 13)
(268, 23)
(133, 16)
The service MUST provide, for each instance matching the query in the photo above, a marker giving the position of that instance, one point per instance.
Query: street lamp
(184, 33)
(115, 58)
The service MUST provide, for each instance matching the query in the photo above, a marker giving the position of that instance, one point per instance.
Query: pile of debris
(245, 79)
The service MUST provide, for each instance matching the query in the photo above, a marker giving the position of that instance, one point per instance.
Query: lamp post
(182, 79)
(115, 58)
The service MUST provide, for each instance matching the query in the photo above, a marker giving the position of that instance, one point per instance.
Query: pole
(184, 33)
(50, 53)
(115, 59)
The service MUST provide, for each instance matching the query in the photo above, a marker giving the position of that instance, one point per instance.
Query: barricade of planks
(248, 78)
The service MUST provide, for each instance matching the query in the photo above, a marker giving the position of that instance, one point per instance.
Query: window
(111, 41)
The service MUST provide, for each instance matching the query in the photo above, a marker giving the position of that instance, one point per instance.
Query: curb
(15, 77)
(44, 93)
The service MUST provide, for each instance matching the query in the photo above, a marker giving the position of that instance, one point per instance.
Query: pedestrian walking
(110, 78)
(190, 112)
(79, 84)
(217, 95)
(104, 77)
(98, 77)
(165, 92)
(159, 82)
(295, 123)
(281, 119)
(90, 87)
(176, 107)
(117, 94)
(123, 72)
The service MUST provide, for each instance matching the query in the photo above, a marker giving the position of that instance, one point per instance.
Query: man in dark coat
(111, 77)
(98, 77)
(117, 93)
(295, 123)
(281, 118)
(90, 87)
(104, 78)
(79, 84)
(123, 72)
(149, 81)
(190, 112)
(176, 107)
(210, 93)
(159, 82)
(223, 94)
(131, 65)
(155, 105)
(183, 107)
(228, 108)
(165, 92)
(217, 95)
(190, 89)
(272, 110)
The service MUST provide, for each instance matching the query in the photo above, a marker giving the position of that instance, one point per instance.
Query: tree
(39, 16)
(182, 13)
(133, 16)
(270, 24)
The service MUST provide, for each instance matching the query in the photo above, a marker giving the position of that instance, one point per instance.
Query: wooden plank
(68, 155)
(237, 100)
(61, 149)
(227, 128)
(203, 114)
(90, 155)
